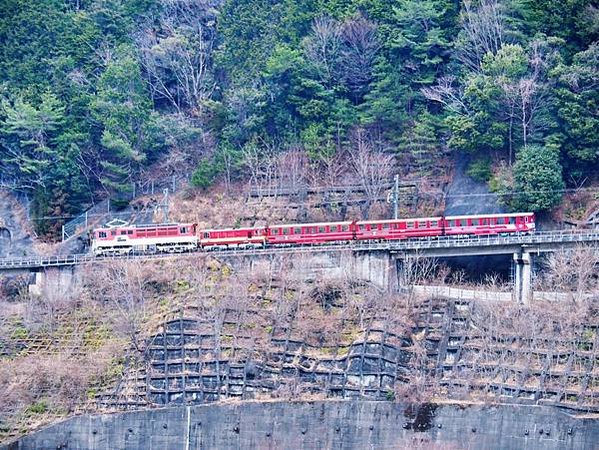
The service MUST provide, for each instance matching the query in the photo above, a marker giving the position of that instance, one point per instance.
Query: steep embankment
(198, 330)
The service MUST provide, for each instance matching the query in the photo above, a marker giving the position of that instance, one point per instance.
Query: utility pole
(396, 197)
(165, 205)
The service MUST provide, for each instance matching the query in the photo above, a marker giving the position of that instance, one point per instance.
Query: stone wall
(322, 424)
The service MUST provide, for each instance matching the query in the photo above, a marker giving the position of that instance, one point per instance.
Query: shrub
(480, 170)
(205, 174)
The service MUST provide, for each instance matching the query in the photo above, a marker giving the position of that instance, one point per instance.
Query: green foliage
(418, 38)
(39, 407)
(578, 102)
(129, 131)
(480, 170)
(205, 174)
(84, 109)
(537, 179)
(420, 146)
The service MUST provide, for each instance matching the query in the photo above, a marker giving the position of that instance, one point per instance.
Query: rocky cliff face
(15, 239)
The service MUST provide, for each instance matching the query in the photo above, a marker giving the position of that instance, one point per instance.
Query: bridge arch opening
(477, 269)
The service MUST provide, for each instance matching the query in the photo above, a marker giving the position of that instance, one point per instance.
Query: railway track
(538, 240)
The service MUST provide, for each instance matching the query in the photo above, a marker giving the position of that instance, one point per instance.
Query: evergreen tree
(577, 106)
(537, 179)
(29, 137)
(122, 110)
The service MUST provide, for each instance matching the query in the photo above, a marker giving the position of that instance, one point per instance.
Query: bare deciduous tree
(448, 94)
(322, 47)
(177, 58)
(574, 271)
(293, 169)
(261, 161)
(358, 52)
(373, 169)
(484, 31)
(126, 285)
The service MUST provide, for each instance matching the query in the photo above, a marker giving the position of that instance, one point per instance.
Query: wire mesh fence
(105, 208)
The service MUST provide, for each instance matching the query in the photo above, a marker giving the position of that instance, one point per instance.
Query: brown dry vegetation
(224, 206)
(92, 347)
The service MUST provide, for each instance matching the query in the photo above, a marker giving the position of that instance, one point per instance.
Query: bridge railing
(46, 261)
(557, 236)
(546, 237)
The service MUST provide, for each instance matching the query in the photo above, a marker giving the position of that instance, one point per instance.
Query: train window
(321, 229)
(422, 224)
(102, 234)
(297, 230)
(334, 229)
(113, 233)
(183, 230)
(206, 235)
(512, 220)
(285, 230)
(123, 232)
(130, 232)
(410, 224)
(385, 226)
(345, 228)
(275, 231)
(434, 223)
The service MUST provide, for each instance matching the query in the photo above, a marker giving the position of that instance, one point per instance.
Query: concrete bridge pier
(57, 280)
(379, 268)
(523, 262)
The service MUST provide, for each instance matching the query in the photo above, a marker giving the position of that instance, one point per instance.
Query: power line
(526, 192)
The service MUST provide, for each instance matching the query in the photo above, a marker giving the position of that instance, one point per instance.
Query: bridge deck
(540, 241)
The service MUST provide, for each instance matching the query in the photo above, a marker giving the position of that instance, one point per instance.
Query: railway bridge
(383, 263)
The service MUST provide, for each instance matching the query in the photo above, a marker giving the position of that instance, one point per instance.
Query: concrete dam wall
(321, 424)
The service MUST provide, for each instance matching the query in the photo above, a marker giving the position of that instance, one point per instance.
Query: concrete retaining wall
(322, 424)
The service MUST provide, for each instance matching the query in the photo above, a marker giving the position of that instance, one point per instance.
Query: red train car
(233, 237)
(399, 228)
(310, 233)
(186, 237)
(165, 237)
(488, 224)
(424, 227)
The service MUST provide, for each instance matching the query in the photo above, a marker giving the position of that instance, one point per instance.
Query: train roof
(476, 216)
(398, 220)
(232, 229)
(315, 224)
(145, 225)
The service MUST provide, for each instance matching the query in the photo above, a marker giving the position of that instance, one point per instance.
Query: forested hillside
(95, 93)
